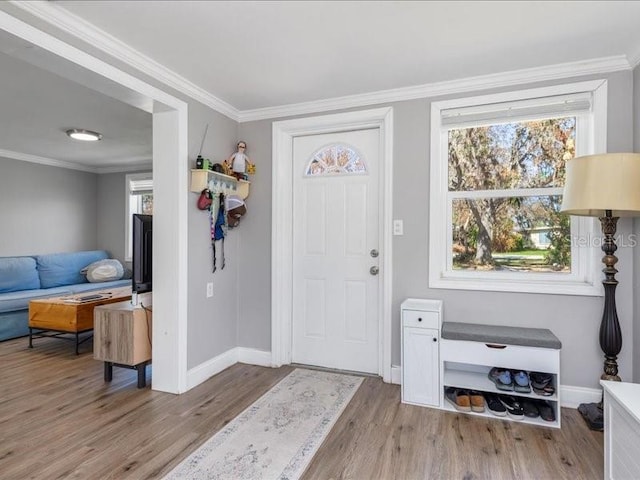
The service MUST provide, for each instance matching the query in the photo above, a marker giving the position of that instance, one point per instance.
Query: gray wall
(213, 322)
(574, 319)
(112, 203)
(45, 209)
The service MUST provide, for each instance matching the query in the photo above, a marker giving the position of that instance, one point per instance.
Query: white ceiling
(260, 55)
(264, 54)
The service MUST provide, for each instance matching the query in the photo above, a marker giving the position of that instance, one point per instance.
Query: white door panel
(335, 226)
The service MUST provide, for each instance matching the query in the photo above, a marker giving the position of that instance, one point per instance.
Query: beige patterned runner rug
(276, 437)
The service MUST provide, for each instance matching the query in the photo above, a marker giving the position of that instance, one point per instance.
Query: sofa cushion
(104, 271)
(12, 301)
(58, 269)
(18, 273)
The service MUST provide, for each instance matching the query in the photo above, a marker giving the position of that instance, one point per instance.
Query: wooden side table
(122, 336)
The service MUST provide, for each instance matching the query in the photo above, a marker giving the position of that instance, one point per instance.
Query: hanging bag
(217, 225)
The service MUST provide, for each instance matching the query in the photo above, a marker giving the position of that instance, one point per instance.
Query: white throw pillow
(104, 271)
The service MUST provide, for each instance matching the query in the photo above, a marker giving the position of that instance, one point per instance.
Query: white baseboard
(251, 356)
(208, 369)
(572, 396)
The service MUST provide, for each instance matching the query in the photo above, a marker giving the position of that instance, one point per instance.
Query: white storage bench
(469, 351)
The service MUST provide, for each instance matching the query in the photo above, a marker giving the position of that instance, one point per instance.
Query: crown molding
(142, 163)
(25, 157)
(135, 167)
(429, 90)
(89, 33)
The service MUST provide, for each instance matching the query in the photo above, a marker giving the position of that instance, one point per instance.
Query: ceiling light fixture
(84, 135)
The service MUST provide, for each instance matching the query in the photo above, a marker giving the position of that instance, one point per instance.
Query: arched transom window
(337, 158)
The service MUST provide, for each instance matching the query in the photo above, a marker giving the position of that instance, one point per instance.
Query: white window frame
(591, 137)
(133, 205)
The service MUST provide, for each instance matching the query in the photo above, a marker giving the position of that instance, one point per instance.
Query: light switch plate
(398, 227)
(209, 289)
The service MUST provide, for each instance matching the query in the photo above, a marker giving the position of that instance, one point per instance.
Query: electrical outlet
(209, 289)
(398, 227)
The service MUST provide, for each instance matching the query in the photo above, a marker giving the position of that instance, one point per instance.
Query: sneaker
(458, 398)
(513, 406)
(502, 378)
(477, 401)
(521, 381)
(494, 405)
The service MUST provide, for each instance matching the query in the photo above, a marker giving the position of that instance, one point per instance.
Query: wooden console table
(122, 336)
(69, 314)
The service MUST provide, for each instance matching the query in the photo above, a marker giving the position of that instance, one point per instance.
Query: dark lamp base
(593, 415)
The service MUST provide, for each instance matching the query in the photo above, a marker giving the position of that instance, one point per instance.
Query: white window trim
(583, 279)
(131, 208)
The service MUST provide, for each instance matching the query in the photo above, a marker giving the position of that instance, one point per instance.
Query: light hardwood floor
(59, 420)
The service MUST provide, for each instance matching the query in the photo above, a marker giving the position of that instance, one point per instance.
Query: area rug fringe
(277, 436)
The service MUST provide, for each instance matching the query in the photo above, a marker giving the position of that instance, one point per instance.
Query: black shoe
(494, 404)
(530, 408)
(513, 406)
(546, 411)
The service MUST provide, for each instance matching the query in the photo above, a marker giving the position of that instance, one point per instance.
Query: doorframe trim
(170, 170)
(283, 135)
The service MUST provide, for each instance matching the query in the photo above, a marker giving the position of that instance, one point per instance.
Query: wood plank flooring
(59, 420)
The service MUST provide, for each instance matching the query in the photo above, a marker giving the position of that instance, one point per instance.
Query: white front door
(336, 238)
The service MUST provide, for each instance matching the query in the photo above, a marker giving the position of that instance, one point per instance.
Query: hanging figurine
(239, 163)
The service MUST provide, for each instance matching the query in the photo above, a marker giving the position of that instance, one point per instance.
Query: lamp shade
(596, 183)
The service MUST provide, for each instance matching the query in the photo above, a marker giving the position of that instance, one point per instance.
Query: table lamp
(605, 186)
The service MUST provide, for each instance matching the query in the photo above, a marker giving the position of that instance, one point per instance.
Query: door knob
(374, 253)
(374, 270)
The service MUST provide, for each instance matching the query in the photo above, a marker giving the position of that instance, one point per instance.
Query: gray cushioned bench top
(528, 337)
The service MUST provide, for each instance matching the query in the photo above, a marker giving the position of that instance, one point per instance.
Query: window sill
(485, 283)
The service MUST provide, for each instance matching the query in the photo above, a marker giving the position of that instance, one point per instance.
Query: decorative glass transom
(338, 158)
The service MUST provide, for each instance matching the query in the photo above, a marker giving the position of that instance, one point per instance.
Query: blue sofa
(40, 276)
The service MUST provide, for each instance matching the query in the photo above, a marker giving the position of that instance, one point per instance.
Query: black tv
(141, 255)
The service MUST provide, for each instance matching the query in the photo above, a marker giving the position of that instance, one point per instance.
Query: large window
(497, 175)
(139, 200)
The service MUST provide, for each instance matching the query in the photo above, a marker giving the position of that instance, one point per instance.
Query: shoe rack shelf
(466, 364)
(436, 355)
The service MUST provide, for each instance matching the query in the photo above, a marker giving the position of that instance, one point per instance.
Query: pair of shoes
(502, 378)
(521, 381)
(542, 383)
(459, 398)
(538, 408)
(465, 400)
(513, 406)
(494, 404)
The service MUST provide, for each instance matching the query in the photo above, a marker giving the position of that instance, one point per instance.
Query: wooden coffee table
(70, 314)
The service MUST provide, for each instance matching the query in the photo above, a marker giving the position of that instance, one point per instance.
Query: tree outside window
(505, 166)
